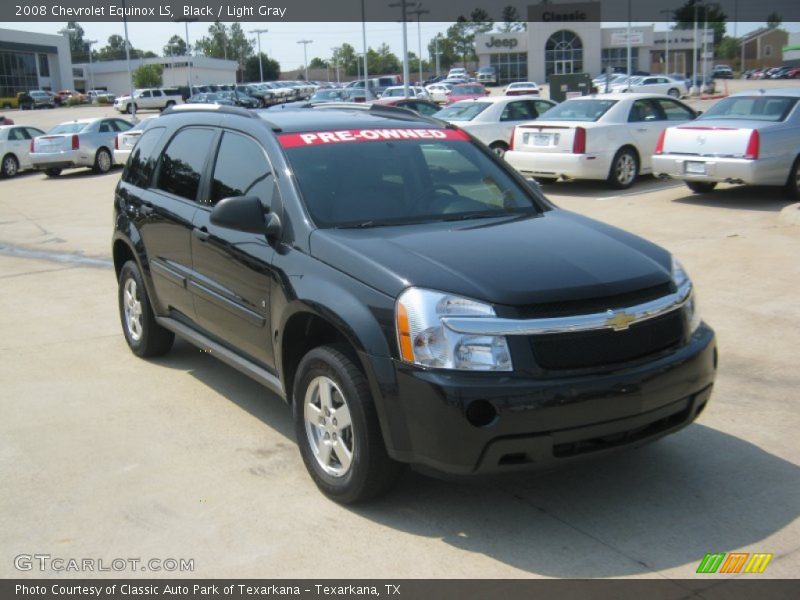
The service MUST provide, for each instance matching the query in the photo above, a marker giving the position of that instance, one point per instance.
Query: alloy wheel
(133, 310)
(328, 426)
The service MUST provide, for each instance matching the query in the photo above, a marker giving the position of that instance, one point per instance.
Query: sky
(280, 42)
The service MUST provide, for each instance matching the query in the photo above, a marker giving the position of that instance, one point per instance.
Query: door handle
(201, 233)
(641, 129)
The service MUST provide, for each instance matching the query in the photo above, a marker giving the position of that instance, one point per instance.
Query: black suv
(411, 296)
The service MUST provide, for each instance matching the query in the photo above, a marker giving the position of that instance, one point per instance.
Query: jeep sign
(502, 43)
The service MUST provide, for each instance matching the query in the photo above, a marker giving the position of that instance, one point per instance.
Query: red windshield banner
(317, 138)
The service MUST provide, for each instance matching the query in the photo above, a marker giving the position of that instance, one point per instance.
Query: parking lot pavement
(105, 455)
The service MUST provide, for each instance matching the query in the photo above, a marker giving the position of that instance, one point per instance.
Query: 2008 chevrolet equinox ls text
(412, 297)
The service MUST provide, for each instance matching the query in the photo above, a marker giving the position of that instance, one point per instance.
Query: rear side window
(675, 111)
(182, 162)
(759, 108)
(241, 170)
(142, 162)
(580, 110)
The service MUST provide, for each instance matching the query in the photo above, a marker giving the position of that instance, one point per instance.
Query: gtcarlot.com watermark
(59, 564)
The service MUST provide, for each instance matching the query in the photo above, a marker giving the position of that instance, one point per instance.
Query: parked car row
(783, 72)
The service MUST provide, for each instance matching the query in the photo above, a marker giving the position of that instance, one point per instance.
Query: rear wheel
(10, 166)
(792, 187)
(674, 92)
(102, 161)
(337, 428)
(701, 187)
(499, 148)
(52, 172)
(144, 335)
(624, 169)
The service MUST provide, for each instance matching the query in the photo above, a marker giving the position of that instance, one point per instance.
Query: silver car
(750, 137)
(15, 142)
(81, 143)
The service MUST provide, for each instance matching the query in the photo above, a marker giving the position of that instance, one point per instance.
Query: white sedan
(522, 88)
(649, 85)
(399, 91)
(439, 92)
(609, 137)
(15, 146)
(492, 119)
(125, 141)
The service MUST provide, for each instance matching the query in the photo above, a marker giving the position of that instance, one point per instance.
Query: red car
(467, 91)
(5, 120)
(793, 73)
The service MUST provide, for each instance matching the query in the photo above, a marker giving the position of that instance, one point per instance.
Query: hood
(557, 256)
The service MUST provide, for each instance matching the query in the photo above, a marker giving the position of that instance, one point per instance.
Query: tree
(712, 14)
(512, 21)
(176, 46)
(728, 49)
(215, 44)
(345, 57)
(383, 61)
(77, 46)
(148, 76)
(774, 20)
(447, 53)
(272, 69)
(115, 50)
(317, 63)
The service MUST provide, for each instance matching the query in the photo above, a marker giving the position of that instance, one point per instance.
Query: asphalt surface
(105, 455)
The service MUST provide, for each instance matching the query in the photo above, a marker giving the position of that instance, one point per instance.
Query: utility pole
(366, 51)
(128, 60)
(186, 21)
(419, 11)
(335, 64)
(667, 12)
(695, 89)
(628, 46)
(404, 5)
(437, 53)
(258, 32)
(305, 54)
(90, 43)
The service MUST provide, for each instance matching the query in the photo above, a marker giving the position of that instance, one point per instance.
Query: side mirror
(246, 214)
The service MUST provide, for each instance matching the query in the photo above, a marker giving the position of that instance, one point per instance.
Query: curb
(790, 215)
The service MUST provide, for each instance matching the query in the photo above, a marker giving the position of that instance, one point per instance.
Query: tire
(145, 337)
(792, 187)
(9, 167)
(546, 180)
(52, 172)
(169, 104)
(348, 464)
(624, 169)
(102, 161)
(499, 148)
(129, 109)
(674, 92)
(701, 187)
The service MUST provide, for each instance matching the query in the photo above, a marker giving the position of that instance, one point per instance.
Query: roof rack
(218, 108)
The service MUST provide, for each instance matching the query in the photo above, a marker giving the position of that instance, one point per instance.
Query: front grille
(593, 305)
(598, 348)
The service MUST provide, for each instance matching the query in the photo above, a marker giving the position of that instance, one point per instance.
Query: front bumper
(731, 170)
(593, 165)
(539, 422)
(61, 160)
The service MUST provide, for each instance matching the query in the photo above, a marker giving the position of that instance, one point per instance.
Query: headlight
(425, 341)
(680, 277)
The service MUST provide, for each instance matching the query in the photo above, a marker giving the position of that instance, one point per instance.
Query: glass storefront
(510, 67)
(618, 57)
(563, 54)
(17, 73)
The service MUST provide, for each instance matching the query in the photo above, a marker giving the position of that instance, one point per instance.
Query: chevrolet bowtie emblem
(619, 320)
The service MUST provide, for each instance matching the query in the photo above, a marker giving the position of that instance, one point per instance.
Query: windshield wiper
(368, 224)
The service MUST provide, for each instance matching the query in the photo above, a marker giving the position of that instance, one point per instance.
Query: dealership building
(569, 38)
(32, 61)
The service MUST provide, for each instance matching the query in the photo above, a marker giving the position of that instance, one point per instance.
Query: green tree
(317, 63)
(176, 46)
(512, 21)
(728, 49)
(345, 57)
(447, 52)
(148, 76)
(215, 44)
(774, 20)
(383, 61)
(710, 13)
(272, 69)
(77, 46)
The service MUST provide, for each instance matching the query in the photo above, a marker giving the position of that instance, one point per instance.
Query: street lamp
(366, 51)
(404, 5)
(186, 21)
(258, 32)
(667, 12)
(305, 54)
(419, 11)
(90, 43)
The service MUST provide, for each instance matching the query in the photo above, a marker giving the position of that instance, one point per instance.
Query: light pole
(186, 21)
(404, 6)
(128, 61)
(667, 12)
(335, 63)
(366, 52)
(695, 89)
(258, 32)
(419, 11)
(437, 53)
(628, 47)
(90, 43)
(305, 54)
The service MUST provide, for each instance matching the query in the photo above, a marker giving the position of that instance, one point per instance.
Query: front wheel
(10, 166)
(624, 169)
(499, 148)
(102, 161)
(337, 428)
(674, 92)
(144, 335)
(701, 187)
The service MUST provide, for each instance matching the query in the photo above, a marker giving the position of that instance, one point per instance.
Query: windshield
(327, 95)
(462, 90)
(462, 111)
(369, 178)
(757, 108)
(69, 128)
(580, 110)
(392, 92)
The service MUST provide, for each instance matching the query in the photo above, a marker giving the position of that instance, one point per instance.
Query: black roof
(323, 119)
